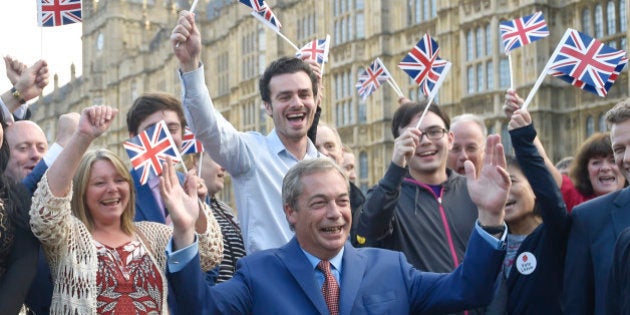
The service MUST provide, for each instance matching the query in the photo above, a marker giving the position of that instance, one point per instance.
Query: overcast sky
(23, 39)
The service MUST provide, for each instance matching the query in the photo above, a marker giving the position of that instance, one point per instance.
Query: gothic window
(590, 126)
(586, 21)
(611, 20)
(603, 127)
(599, 22)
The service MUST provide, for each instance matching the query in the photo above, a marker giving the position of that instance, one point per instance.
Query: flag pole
(392, 83)
(424, 113)
(326, 50)
(192, 10)
(434, 91)
(200, 165)
(390, 79)
(542, 75)
(274, 28)
(511, 71)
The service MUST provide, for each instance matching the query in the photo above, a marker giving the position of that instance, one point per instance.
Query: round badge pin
(526, 263)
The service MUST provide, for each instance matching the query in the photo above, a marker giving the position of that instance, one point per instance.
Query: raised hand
(405, 146)
(520, 118)
(95, 120)
(182, 203)
(489, 191)
(512, 103)
(33, 80)
(186, 41)
(14, 68)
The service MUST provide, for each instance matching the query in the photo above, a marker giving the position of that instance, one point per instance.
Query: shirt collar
(277, 147)
(335, 261)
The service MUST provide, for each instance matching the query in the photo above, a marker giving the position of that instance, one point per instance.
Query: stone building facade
(126, 51)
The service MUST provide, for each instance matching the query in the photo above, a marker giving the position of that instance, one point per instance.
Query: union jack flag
(522, 31)
(190, 144)
(317, 49)
(583, 58)
(58, 12)
(149, 149)
(420, 59)
(372, 78)
(435, 77)
(598, 91)
(263, 12)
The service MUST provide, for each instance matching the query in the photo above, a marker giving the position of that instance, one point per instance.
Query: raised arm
(512, 103)
(548, 196)
(93, 122)
(375, 220)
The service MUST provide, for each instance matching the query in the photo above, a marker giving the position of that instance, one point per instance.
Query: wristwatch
(17, 95)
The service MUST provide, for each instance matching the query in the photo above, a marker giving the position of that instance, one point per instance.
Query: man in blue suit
(288, 280)
(596, 225)
(146, 111)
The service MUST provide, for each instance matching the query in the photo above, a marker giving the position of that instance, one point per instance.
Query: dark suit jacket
(596, 225)
(617, 297)
(373, 281)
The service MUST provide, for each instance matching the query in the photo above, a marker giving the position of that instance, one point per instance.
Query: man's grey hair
(292, 184)
(471, 117)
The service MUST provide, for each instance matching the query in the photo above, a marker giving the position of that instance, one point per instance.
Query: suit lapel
(621, 212)
(146, 206)
(303, 273)
(353, 270)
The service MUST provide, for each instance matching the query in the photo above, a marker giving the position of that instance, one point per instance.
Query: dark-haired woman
(538, 228)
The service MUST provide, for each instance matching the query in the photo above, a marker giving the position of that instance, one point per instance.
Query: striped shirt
(233, 248)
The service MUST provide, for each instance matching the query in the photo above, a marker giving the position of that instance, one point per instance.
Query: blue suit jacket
(373, 281)
(596, 225)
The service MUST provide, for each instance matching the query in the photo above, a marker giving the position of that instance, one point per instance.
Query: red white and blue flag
(418, 62)
(149, 149)
(522, 31)
(317, 49)
(372, 78)
(58, 12)
(263, 12)
(597, 91)
(435, 77)
(190, 144)
(586, 62)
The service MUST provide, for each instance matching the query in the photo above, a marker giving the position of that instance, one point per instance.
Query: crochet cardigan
(71, 253)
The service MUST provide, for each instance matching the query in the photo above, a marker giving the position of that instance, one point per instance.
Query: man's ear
(291, 214)
(268, 109)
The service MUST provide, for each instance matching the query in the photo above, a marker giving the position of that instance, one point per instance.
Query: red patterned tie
(330, 289)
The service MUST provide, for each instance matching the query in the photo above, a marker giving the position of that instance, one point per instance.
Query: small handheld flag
(317, 49)
(262, 11)
(58, 12)
(522, 31)
(190, 144)
(582, 61)
(371, 79)
(417, 63)
(149, 149)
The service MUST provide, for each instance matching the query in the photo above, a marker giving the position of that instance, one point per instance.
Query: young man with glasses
(420, 207)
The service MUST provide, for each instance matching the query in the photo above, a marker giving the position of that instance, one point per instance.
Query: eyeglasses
(433, 133)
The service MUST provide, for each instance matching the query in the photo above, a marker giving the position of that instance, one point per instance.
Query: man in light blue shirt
(257, 163)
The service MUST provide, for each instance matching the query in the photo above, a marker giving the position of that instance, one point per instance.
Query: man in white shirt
(257, 163)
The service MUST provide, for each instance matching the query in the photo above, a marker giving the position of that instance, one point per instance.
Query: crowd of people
(454, 226)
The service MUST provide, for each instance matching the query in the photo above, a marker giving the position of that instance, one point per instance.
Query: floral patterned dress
(127, 280)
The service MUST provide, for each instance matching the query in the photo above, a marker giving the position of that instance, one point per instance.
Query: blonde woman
(101, 261)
